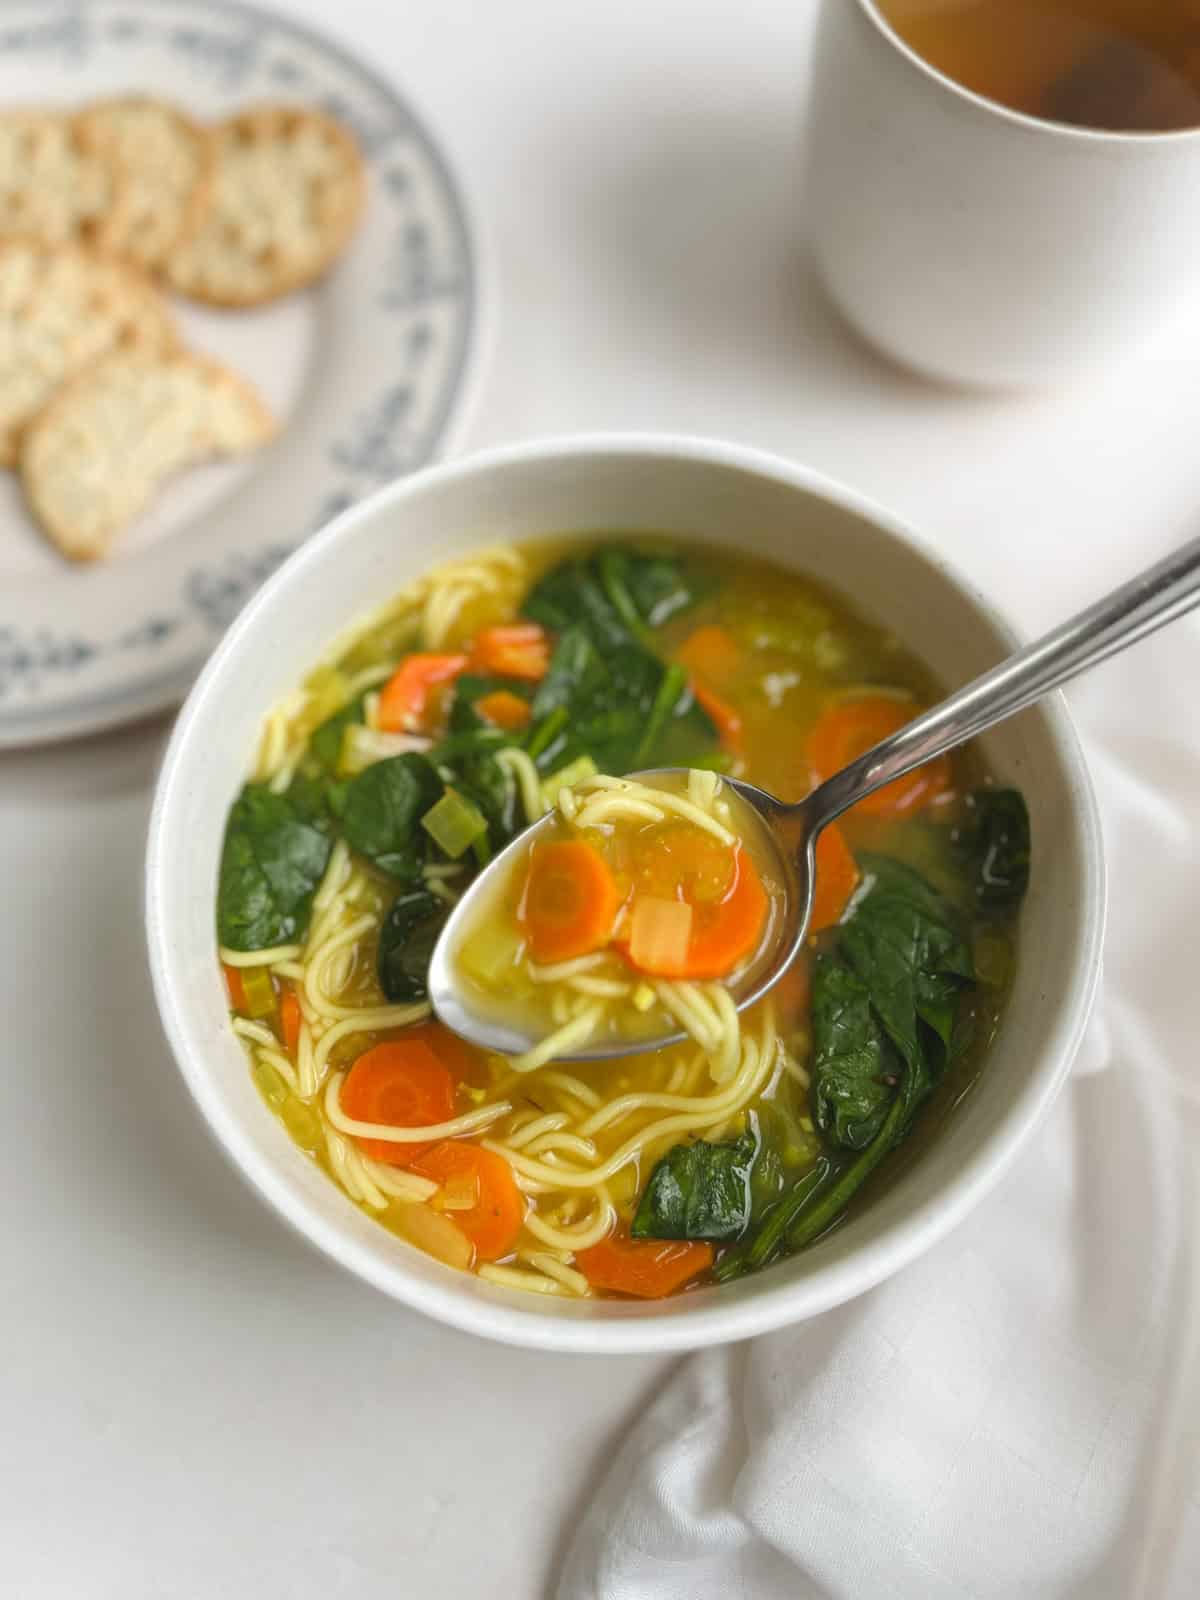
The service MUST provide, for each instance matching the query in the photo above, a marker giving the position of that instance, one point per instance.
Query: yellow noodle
(567, 1084)
(398, 1184)
(285, 773)
(367, 679)
(258, 958)
(372, 1019)
(319, 979)
(529, 785)
(288, 969)
(556, 971)
(515, 1278)
(337, 870)
(439, 890)
(601, 988)
(454, 1128)
(757, 1065)
(561, 1042)
(258, 1031)
(306, 1066)
(577, 1236)
(545, 1261)
(615, 792)
(558, 1140)
(535, 1127)
(596, 813)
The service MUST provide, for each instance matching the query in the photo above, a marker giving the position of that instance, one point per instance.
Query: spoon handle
(1162, 593)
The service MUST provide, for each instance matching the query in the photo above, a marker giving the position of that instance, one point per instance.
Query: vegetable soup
(536, 677)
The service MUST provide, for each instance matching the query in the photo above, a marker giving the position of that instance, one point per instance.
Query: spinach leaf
(326, 741)
(576, 672)
(309, 795)
(885, 1026)
(271, 863)
(658, 586)
(616, 594)
(699, 1191)
(902, 942)
(406, 940)
(855, 1068)
(573, 594)
(383, 808)
(767, 1242)
(996, 843)
(623, 708)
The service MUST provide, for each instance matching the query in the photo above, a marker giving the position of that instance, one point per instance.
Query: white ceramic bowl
(700, 491)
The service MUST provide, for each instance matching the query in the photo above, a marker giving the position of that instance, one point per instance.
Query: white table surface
(192, 1403)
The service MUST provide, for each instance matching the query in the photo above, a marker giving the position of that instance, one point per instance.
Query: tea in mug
(1130, 66)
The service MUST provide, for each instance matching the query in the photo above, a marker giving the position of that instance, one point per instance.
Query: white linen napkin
(1018, 1413)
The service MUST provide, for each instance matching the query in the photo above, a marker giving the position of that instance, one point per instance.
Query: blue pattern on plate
(232, 47)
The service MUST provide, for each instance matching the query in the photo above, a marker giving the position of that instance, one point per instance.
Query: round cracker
(52, 186)
(287, 191)
(166, 160)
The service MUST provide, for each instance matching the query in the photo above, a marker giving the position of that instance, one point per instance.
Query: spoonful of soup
(644, 909)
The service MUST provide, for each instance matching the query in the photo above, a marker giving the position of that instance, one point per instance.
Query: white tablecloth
(191, 1402)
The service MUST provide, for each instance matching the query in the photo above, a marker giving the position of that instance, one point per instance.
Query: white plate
(363, 370)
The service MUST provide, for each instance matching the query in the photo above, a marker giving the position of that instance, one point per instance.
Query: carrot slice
(505, 709)
(648, 1268)
(289, 1020)
(725, 719)
(404, 702)
(512, 650)
(724, 931)
(404, 1084)
(711, 651)
(233, 983)
(849, 728)
(450, 1050)
(570, 901)
(494, 1221)
(837, 878)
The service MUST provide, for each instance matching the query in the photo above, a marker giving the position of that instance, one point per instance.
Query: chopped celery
(574, 772)
(302, 1122)
(270, 1085)
(454, 824)
(259, 991)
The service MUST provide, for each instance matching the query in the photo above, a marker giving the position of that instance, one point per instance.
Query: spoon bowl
(783, 844)
(1157, 596)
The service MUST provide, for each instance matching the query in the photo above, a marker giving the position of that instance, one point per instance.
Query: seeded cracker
(287, 191)
(166, 160)
(95, 457)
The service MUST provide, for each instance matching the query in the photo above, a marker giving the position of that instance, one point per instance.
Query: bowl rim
(770, 1305)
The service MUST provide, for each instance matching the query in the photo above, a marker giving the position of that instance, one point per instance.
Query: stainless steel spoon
(1160, 595)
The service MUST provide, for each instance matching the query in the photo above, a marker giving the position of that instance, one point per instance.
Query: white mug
(979, 244)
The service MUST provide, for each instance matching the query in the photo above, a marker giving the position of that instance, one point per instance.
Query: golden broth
(797, 649)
